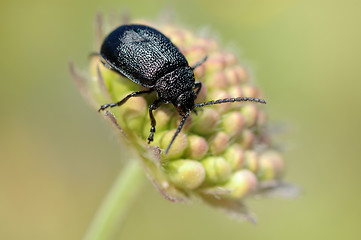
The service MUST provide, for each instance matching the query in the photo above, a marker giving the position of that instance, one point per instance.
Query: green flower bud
(163, 116)
(217, 169)
(133, 108)
(218, 143)
(206, 122)
(241, 73)
(232, 76)
(177, 36)
(179, 146)
(250, 113)
(197, 147)
(233, 124)
(230, 59)
(250, 91)
(240, 184)
(158, 138)
(218, 81)
(234, 155)
(251, 160)
(215, 62)
(116, 85)
(271, 165)
(247, 139)
(186, 174)
(196, 53)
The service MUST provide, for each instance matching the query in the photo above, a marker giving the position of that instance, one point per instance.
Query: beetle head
(185, 102)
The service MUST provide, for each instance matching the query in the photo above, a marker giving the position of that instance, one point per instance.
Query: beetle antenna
(200, 62)
(178, 131)
(227, 100)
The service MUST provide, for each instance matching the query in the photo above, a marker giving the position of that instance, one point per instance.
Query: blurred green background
(58, 158)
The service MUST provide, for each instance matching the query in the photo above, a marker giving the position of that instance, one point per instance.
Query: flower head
(223, 153)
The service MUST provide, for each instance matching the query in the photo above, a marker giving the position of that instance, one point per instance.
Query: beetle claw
(103, 107)
(150, 138)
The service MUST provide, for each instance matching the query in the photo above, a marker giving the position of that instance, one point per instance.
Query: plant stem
(114, 207)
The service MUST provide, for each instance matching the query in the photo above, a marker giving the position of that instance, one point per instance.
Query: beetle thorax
(176, 87)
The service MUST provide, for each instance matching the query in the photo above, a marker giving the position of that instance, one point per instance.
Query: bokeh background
(58, 158)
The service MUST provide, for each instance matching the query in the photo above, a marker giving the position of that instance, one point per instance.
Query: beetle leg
(198, 86)
(200, 62)
(152, 107)
(121, 102)
(106, 64)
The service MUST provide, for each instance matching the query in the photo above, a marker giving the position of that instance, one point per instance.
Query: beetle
(148, 58)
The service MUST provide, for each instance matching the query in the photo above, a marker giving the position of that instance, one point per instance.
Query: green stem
(117, 202)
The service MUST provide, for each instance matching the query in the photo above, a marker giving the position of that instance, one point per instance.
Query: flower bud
(233, 77)
(195, 54)
(236, 91)
(206, 122)
(217, 169)
(234, 155)
(215, 63)
(197, 147)
(251, 160)
(132, 112)
(163, 116)
(134, 107)
(240, 184)
(250, 113)
(271, 165)
(179, 146)
(250, 91)
(186, 174)
(247, 139)
(158, 137)
(241, 73)
(233, 124)
(176, 36)
(116, 84)
(218, 143)
(218, 81)
(230, 59)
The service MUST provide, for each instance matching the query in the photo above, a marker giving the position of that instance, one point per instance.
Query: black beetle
(148, 58)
